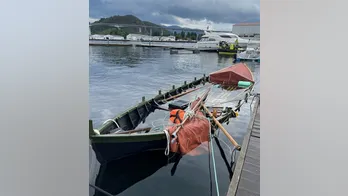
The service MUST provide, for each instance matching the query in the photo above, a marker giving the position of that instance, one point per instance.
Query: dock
(246, 175)
(164, 44)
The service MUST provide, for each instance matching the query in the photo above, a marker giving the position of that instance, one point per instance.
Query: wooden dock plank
(246, 177)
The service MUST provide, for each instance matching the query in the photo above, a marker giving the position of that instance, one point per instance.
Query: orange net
(193, 133)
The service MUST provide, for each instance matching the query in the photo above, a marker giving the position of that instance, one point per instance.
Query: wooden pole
(222, 128)
(134, 131)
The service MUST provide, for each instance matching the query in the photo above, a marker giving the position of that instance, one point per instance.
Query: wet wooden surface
(246, 177)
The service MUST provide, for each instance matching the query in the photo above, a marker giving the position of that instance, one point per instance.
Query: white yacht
(211, 40)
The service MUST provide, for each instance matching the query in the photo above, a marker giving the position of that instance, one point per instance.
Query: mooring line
(100, 190)
(214, 165)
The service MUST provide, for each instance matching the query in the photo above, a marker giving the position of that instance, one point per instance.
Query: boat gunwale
(139, 137)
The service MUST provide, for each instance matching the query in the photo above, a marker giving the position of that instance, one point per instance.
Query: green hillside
(124, 31)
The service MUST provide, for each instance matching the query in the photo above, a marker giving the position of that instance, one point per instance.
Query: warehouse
(246, 29)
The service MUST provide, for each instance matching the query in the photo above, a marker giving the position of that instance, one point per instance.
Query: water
(119, 77)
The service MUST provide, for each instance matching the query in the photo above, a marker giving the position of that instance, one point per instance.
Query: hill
(124, 31)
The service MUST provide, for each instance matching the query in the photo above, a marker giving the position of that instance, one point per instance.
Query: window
(225, 36)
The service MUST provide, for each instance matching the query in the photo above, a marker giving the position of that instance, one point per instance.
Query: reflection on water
(119, 77)
(117, 176)
(223, 60)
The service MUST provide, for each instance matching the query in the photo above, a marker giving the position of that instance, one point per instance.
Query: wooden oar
(222, 128)
(134, 131)
(181, 94)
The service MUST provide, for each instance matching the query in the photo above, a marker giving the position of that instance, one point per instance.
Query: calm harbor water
(119, 77)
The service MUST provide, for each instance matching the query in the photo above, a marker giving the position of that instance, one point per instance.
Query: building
(246, 29)
(109, 37)
(138, 37)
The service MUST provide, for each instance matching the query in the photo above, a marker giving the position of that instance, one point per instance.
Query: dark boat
(126, 135)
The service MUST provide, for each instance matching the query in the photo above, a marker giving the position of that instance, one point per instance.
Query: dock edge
(232, 190)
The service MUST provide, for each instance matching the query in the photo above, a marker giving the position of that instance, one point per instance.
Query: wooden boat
(129, 133)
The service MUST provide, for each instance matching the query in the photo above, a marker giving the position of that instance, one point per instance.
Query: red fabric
(194, 132)
(232, 75)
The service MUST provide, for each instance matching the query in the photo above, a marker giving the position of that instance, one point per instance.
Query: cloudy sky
(218, 14)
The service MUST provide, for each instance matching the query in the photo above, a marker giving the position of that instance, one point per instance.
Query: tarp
(230, 76)
(193, 133)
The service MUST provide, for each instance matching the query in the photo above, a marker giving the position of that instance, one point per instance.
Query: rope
(114, 121)
(231, 100)
(96, 131)
(214, 165)
(156, 102)
(210, 181)
(189, 113)
(233, 158)
(166, 152)
(252, 102)
(100, 190)
(231, 151)
(118, 126)
(221, 96)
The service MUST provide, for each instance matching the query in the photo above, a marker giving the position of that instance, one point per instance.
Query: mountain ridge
(133, 20)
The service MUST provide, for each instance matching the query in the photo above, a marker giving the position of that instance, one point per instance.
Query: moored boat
(251, 54)
(140, 128)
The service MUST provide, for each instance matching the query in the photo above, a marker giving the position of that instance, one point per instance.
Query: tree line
(187, 35)
(105, 30)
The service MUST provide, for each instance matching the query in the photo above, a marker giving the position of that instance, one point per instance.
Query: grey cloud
(227, 11)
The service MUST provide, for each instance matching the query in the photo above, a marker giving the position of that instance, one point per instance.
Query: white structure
(246, 29)
(167, 38)
(110, 37)
(211, 40)
(156, 38)
(138, 37)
